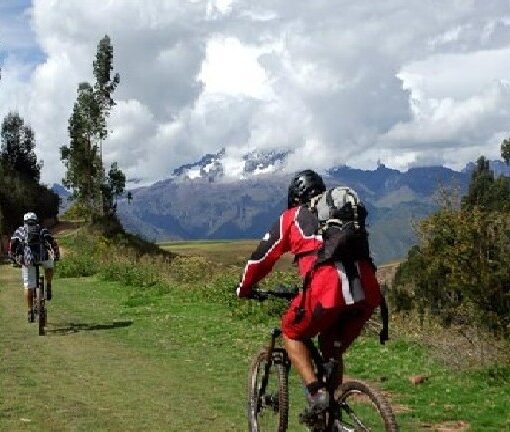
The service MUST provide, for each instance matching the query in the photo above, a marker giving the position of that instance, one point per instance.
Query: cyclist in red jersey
(334, 308)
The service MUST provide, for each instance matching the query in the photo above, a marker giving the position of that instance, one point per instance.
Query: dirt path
(79, 378)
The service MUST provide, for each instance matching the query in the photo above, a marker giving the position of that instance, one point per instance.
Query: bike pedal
(312, 418)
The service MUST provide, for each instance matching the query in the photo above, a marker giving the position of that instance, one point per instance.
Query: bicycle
(40, 302)
(354, 405)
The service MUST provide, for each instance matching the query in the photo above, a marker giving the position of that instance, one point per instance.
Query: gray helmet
(304, 186)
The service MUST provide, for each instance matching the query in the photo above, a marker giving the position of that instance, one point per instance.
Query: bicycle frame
(326, 371)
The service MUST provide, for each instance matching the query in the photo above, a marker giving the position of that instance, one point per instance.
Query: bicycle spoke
(359, 414)
(356, 419)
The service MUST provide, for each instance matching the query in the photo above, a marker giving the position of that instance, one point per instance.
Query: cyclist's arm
(50, 240)
(15, 246)
(274, 244)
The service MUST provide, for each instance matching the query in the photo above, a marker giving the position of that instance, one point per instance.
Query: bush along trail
(141, 341)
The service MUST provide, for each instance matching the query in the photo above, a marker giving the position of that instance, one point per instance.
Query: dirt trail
(77, 379)
(64, 228)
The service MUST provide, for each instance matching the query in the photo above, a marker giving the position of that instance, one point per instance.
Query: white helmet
(30, 217)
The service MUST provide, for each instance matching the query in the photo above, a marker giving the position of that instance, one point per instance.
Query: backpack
(34, 244)
(342, 224)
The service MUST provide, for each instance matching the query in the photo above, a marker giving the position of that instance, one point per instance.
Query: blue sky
(405, 82)
(16, 36)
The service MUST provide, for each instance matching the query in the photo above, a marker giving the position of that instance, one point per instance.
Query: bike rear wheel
(41, 307)
(363, 409)
(268, 394)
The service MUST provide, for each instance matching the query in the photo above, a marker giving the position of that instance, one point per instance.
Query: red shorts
(335, 313)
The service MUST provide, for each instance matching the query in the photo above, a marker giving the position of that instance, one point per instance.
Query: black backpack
(342, 224)
(34, 244)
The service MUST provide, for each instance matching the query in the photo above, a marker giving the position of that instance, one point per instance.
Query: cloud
(337, 82)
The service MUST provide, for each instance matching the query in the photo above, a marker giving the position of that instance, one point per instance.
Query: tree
(485, 191)
(112, 189)
(460, 271)
(20, 190)
(17, 151)
(87, 130)
(505, 150)
(81, 158)
(105, 81)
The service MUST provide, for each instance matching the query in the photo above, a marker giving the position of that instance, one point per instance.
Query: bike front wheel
(268, 394)
(363, 409)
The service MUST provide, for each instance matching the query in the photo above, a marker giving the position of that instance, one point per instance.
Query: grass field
(172, 361)
(229, 252)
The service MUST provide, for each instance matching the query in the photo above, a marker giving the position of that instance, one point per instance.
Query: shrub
(461, 270)
(76, 266)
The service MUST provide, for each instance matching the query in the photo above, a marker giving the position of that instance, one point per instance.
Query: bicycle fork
(275, 333)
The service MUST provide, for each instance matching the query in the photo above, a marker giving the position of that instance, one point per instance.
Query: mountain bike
(40, 302)
(354, 405)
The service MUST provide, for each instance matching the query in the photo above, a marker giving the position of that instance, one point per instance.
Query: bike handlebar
(280, 291)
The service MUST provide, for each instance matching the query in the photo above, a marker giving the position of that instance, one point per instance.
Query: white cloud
(402, 81)
(230, 68)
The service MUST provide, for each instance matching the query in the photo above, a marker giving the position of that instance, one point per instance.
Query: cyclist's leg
(331, 349)
(315, 319)
(300, 358)
(48, 274)
(293, 335)
(29, 276)
(305, 318)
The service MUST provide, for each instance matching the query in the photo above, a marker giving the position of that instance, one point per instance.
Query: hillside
(220, 207)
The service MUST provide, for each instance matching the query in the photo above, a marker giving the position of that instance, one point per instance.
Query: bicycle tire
(41, 307)
(281, 399)
(377, 399)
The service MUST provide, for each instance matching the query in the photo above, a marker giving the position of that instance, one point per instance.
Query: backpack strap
(329, 198)
(300, 310)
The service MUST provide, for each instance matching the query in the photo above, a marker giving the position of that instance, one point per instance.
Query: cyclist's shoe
(30, 316)
(317, 405)
(48, 292)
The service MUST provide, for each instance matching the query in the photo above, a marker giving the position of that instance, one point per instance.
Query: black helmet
(304, 186)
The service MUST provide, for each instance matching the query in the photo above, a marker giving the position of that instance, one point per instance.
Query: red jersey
(296, 232)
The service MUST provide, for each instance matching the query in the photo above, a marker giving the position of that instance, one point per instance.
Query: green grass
(173, 362)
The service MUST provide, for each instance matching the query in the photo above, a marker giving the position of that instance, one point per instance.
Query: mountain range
(221, 197)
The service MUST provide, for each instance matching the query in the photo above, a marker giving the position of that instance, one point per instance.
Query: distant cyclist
(331, 294)
(33, 245)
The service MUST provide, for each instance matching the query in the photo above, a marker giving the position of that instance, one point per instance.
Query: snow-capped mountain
(196, 204)
(213, 167)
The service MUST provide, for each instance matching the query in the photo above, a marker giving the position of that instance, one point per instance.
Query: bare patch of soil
(386, 273)
(65, 227)
(451, 426)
